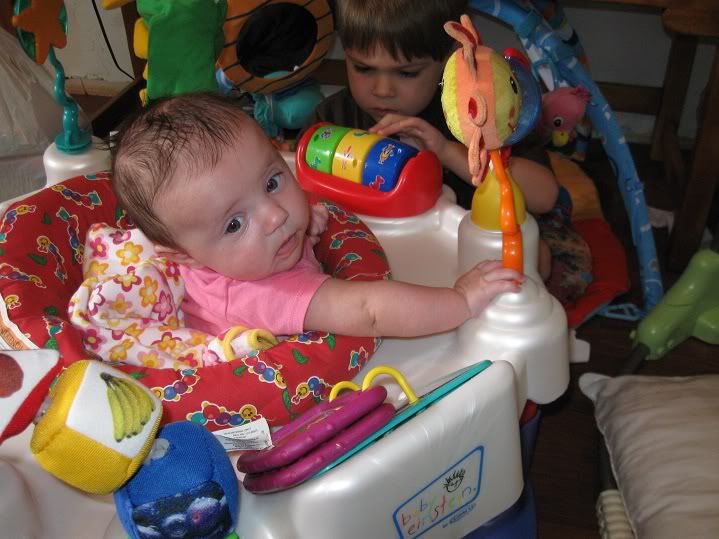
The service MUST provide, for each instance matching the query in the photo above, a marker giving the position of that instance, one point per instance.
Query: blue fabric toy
(185, 488)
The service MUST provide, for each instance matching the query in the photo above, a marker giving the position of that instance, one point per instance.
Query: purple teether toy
(315, 439)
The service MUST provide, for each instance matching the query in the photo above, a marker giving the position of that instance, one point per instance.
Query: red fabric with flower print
(41, 253)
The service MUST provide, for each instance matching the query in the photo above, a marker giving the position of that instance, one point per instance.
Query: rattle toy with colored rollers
(358, 156)
(368, 173)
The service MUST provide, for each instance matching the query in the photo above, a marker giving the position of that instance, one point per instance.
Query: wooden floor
(564, 470)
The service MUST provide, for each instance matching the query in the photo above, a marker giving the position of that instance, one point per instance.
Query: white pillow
(662, 434)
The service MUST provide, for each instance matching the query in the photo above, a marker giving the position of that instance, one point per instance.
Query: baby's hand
(414, 131)
(318, 222)
(484, 281)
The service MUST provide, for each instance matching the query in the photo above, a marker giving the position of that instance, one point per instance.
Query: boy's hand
(318, 222)
(414, 131)
(483, 282)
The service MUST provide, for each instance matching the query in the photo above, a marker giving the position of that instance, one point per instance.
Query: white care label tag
(251, 436)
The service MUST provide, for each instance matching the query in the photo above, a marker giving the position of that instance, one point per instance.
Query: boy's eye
(408, 74)
(234, 225)
(361, 69)
(273, 183)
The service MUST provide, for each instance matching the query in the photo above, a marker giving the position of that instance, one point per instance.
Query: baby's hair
(191, 130)
(409, 28)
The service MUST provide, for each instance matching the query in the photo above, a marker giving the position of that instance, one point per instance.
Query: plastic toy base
(528, 329)
(444, 473)
(61, 166)
(520, 520)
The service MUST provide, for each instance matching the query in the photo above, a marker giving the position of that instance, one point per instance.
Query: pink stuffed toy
(562, 110)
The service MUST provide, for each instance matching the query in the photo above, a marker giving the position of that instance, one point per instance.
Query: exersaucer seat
(41, 254)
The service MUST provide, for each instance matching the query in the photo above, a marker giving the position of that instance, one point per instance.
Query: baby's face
(382, 85)
(246, 218)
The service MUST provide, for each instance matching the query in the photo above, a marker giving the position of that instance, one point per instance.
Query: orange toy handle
(512, 256)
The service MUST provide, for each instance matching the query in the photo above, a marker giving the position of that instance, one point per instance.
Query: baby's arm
(398, 309)
(319, 216)
(537, 182)
(424, 136)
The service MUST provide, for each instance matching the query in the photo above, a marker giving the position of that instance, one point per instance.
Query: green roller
(322, 145)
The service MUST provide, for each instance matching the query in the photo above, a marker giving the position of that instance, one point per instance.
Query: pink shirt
(214, 303)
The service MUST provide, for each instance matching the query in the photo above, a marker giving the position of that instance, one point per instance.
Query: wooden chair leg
(676, 82)
(691, 218)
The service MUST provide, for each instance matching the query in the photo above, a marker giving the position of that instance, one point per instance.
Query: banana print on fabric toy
(131, 407)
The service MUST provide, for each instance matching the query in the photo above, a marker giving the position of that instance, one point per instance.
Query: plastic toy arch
(248, 44)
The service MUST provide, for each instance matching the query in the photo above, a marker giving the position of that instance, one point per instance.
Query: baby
(207, 187)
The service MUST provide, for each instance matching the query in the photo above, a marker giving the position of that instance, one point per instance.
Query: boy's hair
(191, 130)
(409, 28)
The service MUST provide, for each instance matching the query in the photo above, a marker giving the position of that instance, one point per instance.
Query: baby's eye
(273, 183)
(234, 225)
(408, 74)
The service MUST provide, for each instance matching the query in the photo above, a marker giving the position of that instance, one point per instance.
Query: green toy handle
(72, 139)
(689, 309)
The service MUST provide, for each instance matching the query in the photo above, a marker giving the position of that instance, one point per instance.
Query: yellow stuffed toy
(481, 100)
(98, 426)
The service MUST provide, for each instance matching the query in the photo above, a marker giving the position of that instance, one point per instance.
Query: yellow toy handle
(339, 386)
(227, 341)
(371, 375)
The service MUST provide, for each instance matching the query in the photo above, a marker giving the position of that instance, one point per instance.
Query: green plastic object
(27, 39)
(72, 139)
(185, 40)
(689, 309)
(321, 147)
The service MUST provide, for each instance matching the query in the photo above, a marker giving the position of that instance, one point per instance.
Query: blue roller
(384, 163)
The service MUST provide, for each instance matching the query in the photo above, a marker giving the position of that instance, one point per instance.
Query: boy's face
(246, 218)
(381, 84)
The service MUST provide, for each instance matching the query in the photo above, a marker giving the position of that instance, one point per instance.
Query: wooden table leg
(691, 218)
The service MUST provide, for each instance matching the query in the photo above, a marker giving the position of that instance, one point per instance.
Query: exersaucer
(457, 466)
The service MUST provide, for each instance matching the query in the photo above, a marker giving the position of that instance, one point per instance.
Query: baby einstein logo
(451, 493)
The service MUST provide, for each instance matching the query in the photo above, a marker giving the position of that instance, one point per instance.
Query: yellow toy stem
(512, 256)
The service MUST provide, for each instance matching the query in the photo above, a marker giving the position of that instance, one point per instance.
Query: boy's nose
(383, 86)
